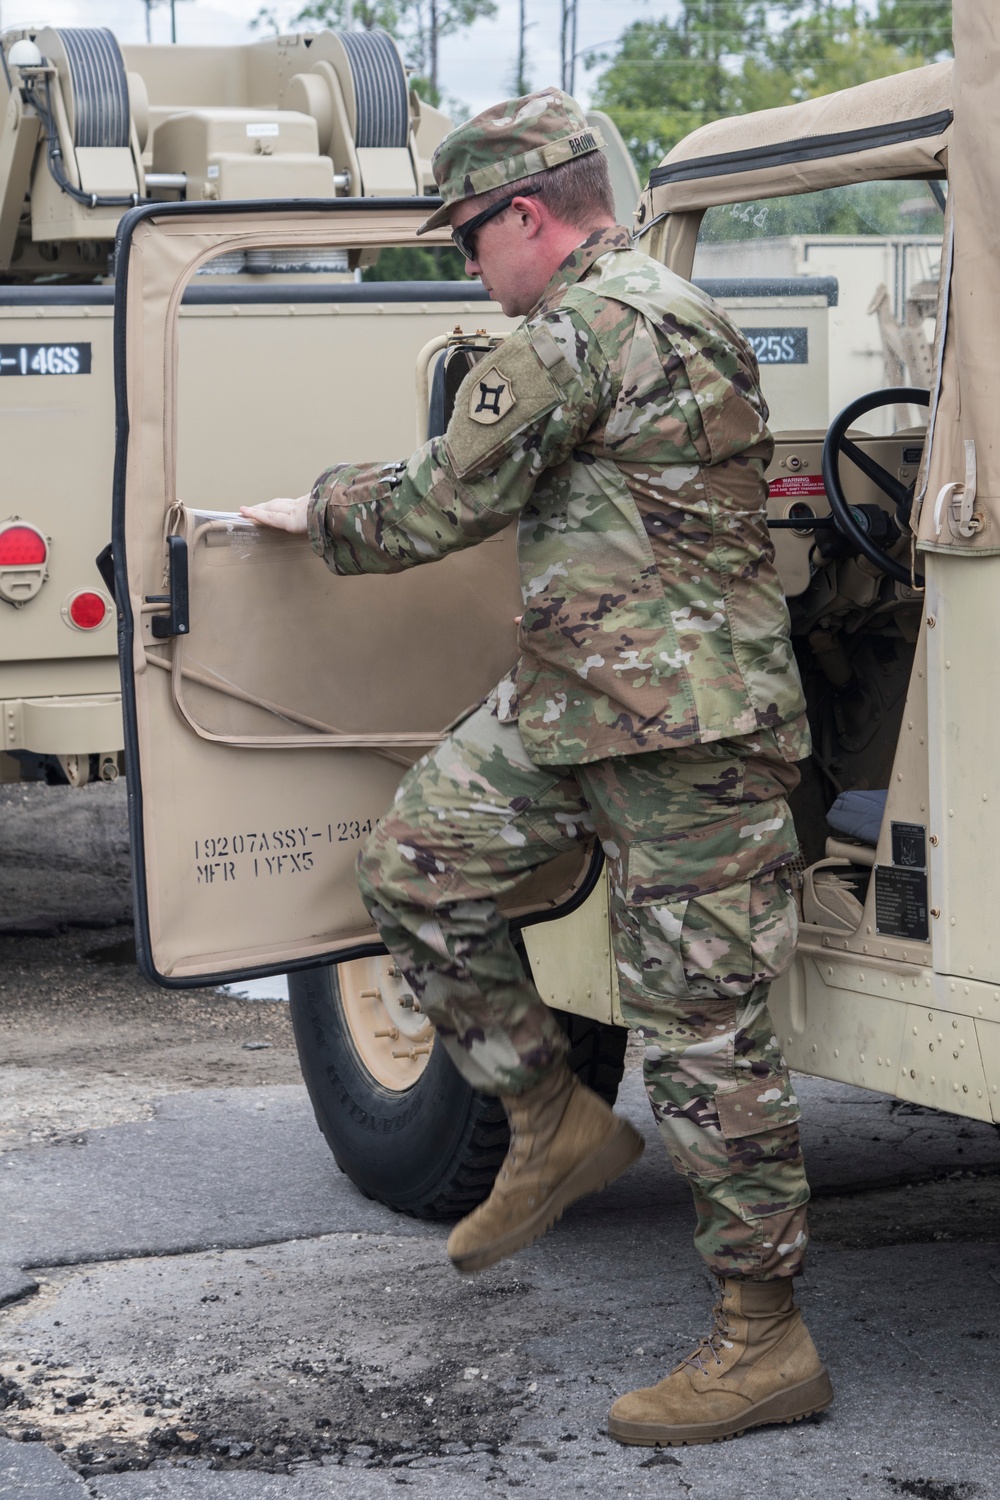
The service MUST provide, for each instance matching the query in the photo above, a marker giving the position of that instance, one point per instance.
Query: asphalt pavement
(345, 1339)
(199, 1306)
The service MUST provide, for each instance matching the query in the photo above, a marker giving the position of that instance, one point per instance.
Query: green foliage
(416, 263)
(716, 58)
(921, 27)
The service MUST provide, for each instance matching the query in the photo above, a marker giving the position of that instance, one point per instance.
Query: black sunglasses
(465, 234)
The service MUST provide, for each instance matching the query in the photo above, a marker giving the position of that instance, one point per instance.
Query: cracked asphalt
(194, 1302)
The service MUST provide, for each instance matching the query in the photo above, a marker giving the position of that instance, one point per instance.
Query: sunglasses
(464, 235)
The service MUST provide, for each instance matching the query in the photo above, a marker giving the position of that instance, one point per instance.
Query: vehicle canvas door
(271, 706)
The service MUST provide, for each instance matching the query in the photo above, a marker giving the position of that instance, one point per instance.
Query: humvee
(88, 129)
(269, 706)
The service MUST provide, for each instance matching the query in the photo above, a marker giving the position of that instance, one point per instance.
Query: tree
(723, 57)
(671, 75)
(418, 26)
(150, 6)
(919, 27)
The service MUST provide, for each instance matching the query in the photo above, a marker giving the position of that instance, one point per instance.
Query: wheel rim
(392, 1037)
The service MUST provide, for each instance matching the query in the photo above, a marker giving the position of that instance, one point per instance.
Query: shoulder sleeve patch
(492, 396)
(497, 405)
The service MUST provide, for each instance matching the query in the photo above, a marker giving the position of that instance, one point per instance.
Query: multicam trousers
(696, 841)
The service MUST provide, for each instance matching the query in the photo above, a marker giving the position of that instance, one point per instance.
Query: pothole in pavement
(353, 1412)
(275, 1374)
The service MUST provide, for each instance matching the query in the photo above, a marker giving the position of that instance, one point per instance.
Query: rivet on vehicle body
(935, 911)
(935, 840)
(931, 622)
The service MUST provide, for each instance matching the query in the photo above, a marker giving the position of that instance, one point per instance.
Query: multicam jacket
(623, 427)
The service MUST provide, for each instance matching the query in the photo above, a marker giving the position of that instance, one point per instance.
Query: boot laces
(712, 1344)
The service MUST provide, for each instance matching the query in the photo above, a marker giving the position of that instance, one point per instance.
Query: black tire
(431, 1150)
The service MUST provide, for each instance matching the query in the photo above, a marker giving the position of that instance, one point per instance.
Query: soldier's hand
(281, 515)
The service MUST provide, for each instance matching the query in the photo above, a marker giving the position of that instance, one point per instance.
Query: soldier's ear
(532, 215)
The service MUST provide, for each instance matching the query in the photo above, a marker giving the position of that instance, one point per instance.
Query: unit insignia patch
(492, 397)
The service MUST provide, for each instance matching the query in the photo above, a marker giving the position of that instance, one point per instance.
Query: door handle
(177, 619)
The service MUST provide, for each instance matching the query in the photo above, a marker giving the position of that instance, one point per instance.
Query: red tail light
(22, 546)
(87, 610)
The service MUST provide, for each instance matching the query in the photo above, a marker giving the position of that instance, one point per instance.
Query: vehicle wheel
(399, 1118)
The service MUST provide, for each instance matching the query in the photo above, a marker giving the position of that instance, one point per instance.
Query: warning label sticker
(790, 486)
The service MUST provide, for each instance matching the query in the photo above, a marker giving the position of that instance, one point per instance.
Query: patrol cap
(507, 142)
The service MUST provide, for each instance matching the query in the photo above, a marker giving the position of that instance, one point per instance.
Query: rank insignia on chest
(492, 397)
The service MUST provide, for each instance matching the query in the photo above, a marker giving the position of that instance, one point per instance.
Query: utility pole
(173, 20)
(520, 85)
(574, 14)
(433, 49)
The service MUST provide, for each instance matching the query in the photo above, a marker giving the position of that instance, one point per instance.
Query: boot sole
(793, 1405)
(623, 1146)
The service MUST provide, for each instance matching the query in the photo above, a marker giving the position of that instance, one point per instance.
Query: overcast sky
(475, 67)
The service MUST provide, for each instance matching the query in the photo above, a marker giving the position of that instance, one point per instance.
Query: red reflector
(87, 611)
(21, 546)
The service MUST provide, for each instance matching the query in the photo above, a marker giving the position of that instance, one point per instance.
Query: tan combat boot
(565, 1142)
(758, 1365)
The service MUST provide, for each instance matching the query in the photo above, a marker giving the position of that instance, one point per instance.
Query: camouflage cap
(510, 141)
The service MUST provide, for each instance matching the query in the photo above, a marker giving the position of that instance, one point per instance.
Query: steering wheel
(859, 523)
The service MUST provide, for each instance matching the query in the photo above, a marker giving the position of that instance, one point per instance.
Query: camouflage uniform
(655, 700)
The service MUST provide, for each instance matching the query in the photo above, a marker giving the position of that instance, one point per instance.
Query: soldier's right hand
(281, 515)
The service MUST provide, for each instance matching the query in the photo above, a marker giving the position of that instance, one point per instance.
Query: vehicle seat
(834, 889)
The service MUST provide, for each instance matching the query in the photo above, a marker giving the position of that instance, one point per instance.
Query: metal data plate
(901, 903)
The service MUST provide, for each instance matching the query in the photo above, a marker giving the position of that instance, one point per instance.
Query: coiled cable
(381, 95)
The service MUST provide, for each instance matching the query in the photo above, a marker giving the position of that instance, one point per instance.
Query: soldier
(655, 703)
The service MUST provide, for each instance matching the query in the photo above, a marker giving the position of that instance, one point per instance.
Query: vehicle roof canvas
(965, 407)
(923, 94)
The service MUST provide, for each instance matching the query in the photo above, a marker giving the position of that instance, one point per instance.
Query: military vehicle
(87, 130)
(269, 705)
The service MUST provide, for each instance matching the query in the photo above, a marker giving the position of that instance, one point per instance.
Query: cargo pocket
(712, 944)
(757, 1108)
